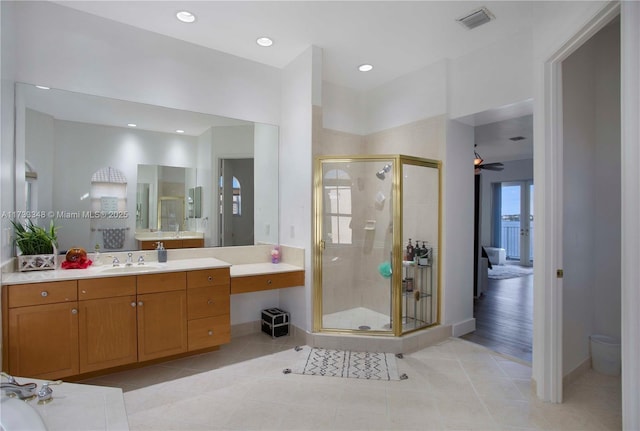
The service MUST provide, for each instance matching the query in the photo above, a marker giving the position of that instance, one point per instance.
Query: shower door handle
(322, 244)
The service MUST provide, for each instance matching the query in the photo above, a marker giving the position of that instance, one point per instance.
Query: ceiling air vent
(476, 18)
(517, 138)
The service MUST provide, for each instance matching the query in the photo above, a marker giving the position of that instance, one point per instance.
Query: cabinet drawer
(193, 243)
(165, 282)
(208, 277)
(207, 301)
(21, 295)
(97, 288)
(209, 332)
(267, 281)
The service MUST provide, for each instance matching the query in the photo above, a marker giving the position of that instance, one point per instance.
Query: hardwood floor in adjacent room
(504, 317)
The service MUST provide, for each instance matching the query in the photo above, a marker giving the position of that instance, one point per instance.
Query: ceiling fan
(478, 164)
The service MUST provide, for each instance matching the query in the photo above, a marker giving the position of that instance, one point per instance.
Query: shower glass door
(354, 202)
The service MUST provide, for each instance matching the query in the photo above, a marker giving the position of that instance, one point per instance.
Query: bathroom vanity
(67, 323)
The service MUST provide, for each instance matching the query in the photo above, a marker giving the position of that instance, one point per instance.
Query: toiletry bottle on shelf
(162, 252)
(410, 251)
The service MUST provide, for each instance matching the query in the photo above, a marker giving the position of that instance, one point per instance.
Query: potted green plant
(37, 245)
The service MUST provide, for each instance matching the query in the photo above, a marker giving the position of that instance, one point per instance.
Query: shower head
(381, 173)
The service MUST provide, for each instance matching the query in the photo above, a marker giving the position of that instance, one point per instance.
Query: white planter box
(37, 262)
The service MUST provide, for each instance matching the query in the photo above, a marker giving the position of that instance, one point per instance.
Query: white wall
(343, 109)
(495, 76)
(457, 228)
(296, 173)
(513, 171)
(266, 189)
(607, 255)
(40, 132)
(7, 171)
(592, 244)
(415, 96)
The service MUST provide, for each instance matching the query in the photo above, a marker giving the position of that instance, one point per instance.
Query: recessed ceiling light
(132, 125)
(42, 87)
(186, 16)
(264, 41)
(179, 131)
(365, 67)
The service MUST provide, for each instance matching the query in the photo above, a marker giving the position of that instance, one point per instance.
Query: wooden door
(43, 341)
(162, 324)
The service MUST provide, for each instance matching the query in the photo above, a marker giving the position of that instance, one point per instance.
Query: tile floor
(455, 385)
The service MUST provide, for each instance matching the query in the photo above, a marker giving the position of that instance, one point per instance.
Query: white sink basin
(16, 414)
(122, 269)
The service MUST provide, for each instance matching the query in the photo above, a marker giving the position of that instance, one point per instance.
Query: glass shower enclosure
(367, 277)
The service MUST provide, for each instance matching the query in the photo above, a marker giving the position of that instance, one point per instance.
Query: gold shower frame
(397, 247)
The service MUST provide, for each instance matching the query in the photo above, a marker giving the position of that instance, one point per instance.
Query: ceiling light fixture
(365, 67)
(179, 131)
(42, 87)
(132, 125)
(264, 41)
(186, 16)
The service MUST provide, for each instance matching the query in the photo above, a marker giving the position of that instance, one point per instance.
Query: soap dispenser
(162, 252)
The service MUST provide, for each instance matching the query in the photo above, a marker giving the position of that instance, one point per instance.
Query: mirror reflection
(170, 163)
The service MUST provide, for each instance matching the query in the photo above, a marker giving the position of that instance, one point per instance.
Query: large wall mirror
(172, 170)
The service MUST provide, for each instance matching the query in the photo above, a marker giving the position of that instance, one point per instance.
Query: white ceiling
(397, 37)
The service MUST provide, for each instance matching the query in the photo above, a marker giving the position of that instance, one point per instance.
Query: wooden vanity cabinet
(107, 322)
(42, 336)
(254, 283)
(162, 315)
(172, 243)
(208, 308)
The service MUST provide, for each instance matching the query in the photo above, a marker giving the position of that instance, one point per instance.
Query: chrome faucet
(141, 260)
(129, 259)
(116, 261)
(12, 388)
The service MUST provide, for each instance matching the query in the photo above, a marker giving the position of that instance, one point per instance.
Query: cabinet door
(43, 341)
(162, 324)
(107, 330)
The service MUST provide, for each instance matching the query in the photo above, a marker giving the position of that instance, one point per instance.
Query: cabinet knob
(210, 332)
(84, 291)
(210, 278)
(44, 293)
(74, 311)
(210, 301)
(268, 281)
(140, 304)
(133, 303)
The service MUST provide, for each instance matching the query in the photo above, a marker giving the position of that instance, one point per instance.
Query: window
(337, 191)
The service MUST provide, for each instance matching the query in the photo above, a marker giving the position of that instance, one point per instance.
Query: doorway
(236, 192)
(514, 220)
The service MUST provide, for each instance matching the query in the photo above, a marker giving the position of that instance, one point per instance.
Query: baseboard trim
(577, 372)
(464, 327)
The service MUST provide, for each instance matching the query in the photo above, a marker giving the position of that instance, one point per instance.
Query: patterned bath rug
(345, 363)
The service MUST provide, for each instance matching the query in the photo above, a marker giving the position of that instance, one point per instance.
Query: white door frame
(548, 168)
(630, 110)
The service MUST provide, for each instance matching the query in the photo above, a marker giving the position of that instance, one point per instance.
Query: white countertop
(151, 267)
(81, 407)
(107, 270)
(249, 269)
